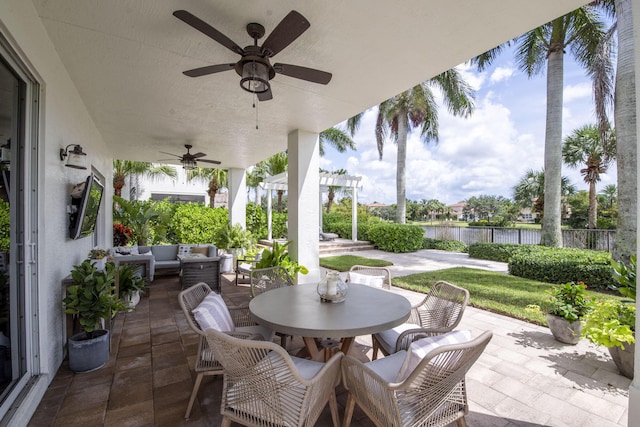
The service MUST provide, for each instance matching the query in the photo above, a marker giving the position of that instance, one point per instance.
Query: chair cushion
(366, 279)
(306, 368)
(267, 334)
(165, 252)
(388, 338)
(212, 313)
(388, 368)
(420, 348)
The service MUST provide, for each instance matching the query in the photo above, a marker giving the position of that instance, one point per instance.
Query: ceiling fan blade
(265, 96)
(208, 30)
(289, 29)
(215, 162)
(304, 73)
(210, 69)
(170, 154)
(195, 156)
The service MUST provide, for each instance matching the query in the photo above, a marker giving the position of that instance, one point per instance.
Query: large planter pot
(563, 330)
(86, 355)
(623, 359)
(132, 300)
(226, 263)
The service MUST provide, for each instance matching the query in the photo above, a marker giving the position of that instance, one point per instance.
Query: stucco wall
(64, 120)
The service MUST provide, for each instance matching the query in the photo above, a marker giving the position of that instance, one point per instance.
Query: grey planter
(226, 263)
(563, 330)
(86, 355)
(624, 359)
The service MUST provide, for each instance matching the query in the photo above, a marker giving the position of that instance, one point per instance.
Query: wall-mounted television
(85, 207)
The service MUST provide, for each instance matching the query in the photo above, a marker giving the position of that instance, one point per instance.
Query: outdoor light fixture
(189, 164)
(77, 157)
(255, 77)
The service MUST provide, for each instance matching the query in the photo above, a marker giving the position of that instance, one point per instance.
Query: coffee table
(298, 311)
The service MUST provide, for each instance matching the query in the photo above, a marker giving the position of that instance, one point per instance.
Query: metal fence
(571, 238)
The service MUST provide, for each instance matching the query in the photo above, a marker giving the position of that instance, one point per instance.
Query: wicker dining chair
(205, 363)
(439, 312)
(372, 276)
(265, 386)
(433, 393)
(266, 279)
(207, 270)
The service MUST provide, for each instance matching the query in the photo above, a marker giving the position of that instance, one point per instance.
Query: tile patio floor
(524, 377)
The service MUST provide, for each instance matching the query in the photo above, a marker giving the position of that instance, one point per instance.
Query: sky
(485, 154)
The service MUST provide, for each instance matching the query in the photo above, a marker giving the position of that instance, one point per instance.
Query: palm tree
(579, 31)
(412, 108)
(586, 147)
(337, 138)
(333, 189)
(529, 191)
(254, 178)
(215, 178)
(126, 168)
(434, 206)
(610, 195)
(275, 165)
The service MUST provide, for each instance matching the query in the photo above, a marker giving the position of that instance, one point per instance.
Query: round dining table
(298, 311)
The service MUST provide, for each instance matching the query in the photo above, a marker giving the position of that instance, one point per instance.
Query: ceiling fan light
(255, 77)
(189, 164)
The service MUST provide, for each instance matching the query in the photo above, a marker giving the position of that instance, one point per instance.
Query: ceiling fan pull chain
(256, 107)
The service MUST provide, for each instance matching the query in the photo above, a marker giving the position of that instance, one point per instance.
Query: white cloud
(500, 74)
(577, 92)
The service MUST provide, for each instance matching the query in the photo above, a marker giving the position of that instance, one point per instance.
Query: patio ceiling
(126, 59)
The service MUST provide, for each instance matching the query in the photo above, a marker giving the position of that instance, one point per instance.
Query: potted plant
(130, 285)
(565, 307)
(100, 257)
(91, 298)
(612, 323)
(278, 255)
(234, 240)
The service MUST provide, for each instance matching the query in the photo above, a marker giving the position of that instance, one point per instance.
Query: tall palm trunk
(118, 184)
(401, 172)
(626, 148)
(593, 206)
(213, 190)
(280, 193)
(330, 198)
(551, 233)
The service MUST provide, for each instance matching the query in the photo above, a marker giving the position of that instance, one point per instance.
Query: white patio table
(298, 311)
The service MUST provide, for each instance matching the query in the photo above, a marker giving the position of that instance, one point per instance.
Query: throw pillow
(366, 279)
(420, 348)
(184, 249)
(212, 313)
(200, 250)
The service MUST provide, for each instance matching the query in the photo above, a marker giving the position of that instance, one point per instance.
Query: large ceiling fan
(189, 161)
(254, 67)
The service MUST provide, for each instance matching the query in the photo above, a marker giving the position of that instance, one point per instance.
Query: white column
(634, 388)
(304, 186)
(237, 196)
(269, 215)
(354, 213)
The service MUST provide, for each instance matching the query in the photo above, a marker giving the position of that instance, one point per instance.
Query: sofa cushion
(174, 263)
(165, 252)
(200, 250)
(184, 249)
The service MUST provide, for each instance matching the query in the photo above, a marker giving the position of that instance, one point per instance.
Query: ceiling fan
(189, 161)
(254, 67)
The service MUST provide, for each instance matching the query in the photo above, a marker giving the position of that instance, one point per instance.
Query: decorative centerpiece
(332, 288)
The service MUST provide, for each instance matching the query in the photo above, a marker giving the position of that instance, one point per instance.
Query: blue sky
(484, 154)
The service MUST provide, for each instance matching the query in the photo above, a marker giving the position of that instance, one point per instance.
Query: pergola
(280, 182)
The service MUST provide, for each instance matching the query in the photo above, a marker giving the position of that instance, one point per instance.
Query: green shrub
(562, 265)
(396, 237)
(501, 252)
(5, 222)
(196, 223)
(445, 245)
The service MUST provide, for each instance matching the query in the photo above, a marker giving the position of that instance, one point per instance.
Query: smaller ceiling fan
(254, 66)
(189, 161)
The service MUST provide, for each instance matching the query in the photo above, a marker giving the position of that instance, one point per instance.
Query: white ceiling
(127, 56)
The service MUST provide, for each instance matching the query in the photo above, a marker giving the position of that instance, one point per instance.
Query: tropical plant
(121, 234)
(276, 165)
(334, 189)
(129, 281)
(529, 191)
(127, 168)
(136, 215)
(255, 176)
(610, 323)
(580, 32)
(97, 253)
(233, 237)
(5, 226)
(215, 178)
(337, 138)
(417, 107)
(278, 255)
(92, 295)
(610, 195)
(625, 277)
(569, 301)
(585, 147)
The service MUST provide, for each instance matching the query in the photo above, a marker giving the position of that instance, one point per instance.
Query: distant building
(456, 210)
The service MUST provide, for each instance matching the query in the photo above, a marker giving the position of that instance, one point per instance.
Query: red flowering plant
(121, 234)
(569, 300)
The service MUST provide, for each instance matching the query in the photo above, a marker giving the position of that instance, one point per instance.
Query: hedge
(396, 237)
(444, 245)
(497, 251)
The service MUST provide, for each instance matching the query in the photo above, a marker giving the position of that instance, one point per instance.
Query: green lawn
(345, 262)
(496, 292)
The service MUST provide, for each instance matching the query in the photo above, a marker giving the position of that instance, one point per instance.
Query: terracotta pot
(563, 330)
(624, 359)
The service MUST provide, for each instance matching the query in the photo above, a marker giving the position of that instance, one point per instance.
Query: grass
(496, 292)
(345, 262)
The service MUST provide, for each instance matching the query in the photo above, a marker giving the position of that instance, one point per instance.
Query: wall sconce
(76, 156)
